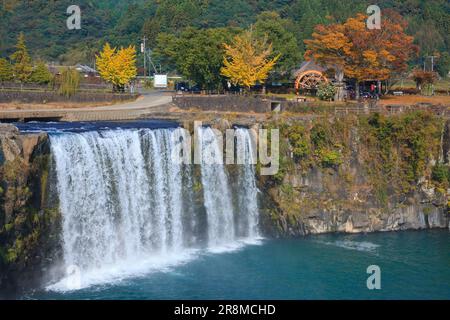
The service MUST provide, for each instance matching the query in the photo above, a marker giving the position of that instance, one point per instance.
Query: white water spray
(125, 206)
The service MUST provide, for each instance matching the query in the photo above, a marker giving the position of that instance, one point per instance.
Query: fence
(84, 86)
(226, 103)
(262, 104)
(37, 96)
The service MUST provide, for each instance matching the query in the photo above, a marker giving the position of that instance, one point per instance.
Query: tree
(22, 62)
(151, 29)
(247, 61)
(40, 74)
(69, 82)
(443, 64)
(361, 53)
(6, 72)
(424, 78)
(196, 54)
(272, 26)
(117, 66)
(429, 39)
(326, 91)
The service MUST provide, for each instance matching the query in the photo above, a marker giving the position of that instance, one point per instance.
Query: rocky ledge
(29, 216)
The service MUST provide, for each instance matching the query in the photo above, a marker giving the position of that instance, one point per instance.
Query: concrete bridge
(144, 105)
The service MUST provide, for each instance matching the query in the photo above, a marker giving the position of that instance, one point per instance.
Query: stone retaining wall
(7, 96)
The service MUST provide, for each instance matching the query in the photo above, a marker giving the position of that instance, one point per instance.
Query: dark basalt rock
(29, 218)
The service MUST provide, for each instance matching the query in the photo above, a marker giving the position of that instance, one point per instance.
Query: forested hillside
(125, 22)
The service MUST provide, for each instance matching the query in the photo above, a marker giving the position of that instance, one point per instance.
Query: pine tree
(6, 72)
(22, 61)
(40, 74)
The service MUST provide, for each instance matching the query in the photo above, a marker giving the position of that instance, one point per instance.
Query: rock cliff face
(369, 187)
(349, 212)
(29, 217)
(351, 175)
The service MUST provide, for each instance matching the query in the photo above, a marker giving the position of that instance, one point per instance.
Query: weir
(125, 202)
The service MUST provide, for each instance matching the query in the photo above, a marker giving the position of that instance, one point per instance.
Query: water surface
(414, 265)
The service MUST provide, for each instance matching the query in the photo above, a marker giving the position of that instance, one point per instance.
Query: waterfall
(248, 190)
(127, 206)
(218, 202)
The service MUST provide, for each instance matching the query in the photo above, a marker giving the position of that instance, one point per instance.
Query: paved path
(144, 105)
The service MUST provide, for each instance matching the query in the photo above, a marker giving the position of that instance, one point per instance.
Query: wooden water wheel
(309, 80)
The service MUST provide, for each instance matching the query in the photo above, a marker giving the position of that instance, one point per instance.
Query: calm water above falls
(414, 265)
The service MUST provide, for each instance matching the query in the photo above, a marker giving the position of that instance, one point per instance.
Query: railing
(391, 109)
(13, 86)
(359, 109)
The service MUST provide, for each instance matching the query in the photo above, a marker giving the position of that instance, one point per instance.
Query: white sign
(160, 81)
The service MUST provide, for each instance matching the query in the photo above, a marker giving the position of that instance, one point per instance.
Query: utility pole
(144, 51)
(432, 63)
(432, 70)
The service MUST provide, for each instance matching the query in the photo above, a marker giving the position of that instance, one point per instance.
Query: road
(147, 103)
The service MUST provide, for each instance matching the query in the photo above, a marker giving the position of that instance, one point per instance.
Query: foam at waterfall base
(235, 245)
(123, 200)
(118, 272)
(125, 270)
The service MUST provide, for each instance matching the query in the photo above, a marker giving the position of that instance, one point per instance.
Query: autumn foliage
(117, 66)
(363, 54)
(247, 61)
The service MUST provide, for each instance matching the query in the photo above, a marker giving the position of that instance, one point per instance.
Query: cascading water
(248, 203)
(127, 207)
(218, 203)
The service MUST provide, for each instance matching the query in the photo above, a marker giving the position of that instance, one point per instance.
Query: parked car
(182, 86)
(368, 95)
(195, 89)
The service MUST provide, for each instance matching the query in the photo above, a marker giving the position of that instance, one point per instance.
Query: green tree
(69, 82)
(284, 43)
(443, 64)
(196, 54)
(151, 30)
(41, 74)
(22, 61)
(6, 72)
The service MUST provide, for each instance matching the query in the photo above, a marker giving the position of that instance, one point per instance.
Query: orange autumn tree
(247, 61)
(360, 53)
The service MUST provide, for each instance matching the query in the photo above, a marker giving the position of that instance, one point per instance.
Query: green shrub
(326, 91)
(41, 75)
(330, 158)
(8, 227)
(440, 173)
(319, 136)
(299, 142)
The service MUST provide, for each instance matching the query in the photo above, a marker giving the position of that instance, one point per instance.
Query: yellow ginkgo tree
(117, 66)
(248, 60)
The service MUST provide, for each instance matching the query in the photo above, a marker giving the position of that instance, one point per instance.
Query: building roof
(85, 69)
(309, 65)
